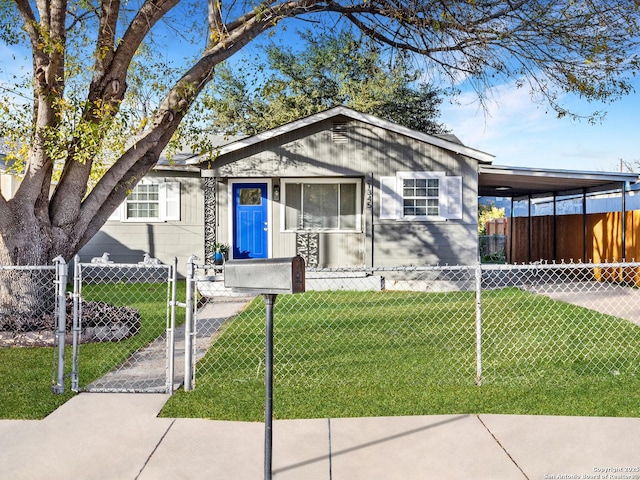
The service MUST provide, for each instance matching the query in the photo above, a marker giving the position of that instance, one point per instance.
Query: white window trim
(327, 180)
(400, 176)
(169, 204)
(450, 197)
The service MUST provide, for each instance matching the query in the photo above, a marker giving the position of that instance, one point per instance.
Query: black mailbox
(265, 275)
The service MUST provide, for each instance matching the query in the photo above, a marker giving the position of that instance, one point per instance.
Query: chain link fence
(27, 305)
(32, 311)
(123, 335)
(489, 324)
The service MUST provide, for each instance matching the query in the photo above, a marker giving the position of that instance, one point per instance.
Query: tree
(87, 56)
(325, 71)
(486, 213)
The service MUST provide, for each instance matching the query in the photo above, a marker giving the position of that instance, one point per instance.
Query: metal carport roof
(505, 181)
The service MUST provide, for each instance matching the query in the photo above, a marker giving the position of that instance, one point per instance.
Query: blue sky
(521, 133)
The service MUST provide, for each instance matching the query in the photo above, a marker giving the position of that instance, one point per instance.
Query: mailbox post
(267, 277)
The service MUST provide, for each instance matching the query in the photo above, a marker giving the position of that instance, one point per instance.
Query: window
(251, 196)
(332, 205)
(150, 202)
(421, 196)
(143, 202)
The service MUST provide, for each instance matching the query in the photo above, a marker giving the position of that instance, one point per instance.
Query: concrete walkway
(118, 437)
(605, 297)
(146, 370)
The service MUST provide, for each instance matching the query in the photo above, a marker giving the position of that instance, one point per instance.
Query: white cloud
(522, 133)
(506, 110)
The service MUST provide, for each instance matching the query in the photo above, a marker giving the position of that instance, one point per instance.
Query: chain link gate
(123, 315)
(209, 307)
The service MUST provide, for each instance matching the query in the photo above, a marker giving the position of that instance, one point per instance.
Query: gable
(339, 146)
(338, 115)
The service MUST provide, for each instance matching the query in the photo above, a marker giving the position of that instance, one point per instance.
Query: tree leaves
(96, 101)
(326, 70)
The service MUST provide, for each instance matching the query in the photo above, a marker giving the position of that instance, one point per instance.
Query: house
(163, 218)
(345, 189)
(9, 181)
(340, 188)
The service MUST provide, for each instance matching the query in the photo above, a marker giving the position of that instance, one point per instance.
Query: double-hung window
(322, 204)
(144, 202)
(421, 196)
(150, 201)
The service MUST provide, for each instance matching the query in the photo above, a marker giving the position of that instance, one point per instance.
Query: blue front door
(250, 220)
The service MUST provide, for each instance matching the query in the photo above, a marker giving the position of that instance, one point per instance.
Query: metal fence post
(77, 306)
(478, 324)
(189, 325)
(171, 337)
(61, 319)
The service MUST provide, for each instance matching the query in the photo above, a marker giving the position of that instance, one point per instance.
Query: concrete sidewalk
(118, 436)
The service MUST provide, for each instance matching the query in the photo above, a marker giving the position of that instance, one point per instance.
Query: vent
(339, 132)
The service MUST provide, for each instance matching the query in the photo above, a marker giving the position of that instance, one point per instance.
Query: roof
(494, 180)
(446, 142)
(504, 181)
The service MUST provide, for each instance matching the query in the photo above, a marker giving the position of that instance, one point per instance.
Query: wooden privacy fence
(595, 237)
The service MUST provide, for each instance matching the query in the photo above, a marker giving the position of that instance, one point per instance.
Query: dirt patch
(101, 322)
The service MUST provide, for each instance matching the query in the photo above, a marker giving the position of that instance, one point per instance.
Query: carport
(534, 238)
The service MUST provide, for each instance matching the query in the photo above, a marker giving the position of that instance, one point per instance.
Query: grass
(27, 373)
(26, 383)
(343, 354)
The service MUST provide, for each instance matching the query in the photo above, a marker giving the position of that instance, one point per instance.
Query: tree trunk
(29, 293)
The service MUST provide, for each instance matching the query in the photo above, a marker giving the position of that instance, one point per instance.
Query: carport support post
(269, 302)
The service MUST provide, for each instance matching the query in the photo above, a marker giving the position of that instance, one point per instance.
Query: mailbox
(269, 277)
(265, 275)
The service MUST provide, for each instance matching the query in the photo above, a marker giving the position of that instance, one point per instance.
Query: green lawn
(27, 373)
(402, 353)
(341, 354)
